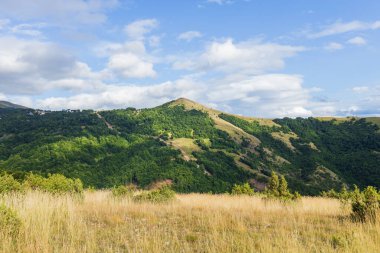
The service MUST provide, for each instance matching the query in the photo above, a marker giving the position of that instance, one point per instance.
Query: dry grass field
(192, 223)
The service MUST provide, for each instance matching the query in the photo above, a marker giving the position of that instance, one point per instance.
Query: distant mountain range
(197, 148)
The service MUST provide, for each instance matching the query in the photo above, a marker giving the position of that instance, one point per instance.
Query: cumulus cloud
(131, 59)
(190, 35)
(333, 46)
(269, 95)
(128, 60)
(272, 95)
(249, 57)
(341, 27)
(138, 29)
(358, 41)
(121, 96)
(131, 66)
(30, 66)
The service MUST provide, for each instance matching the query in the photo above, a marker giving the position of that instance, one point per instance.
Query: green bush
(165, 194)
(243, 189)
(59, 184)
(365, 205)
(34, 182)
(10, 222)
(9, 185)
(123, 191)
(278, 189)
(56, 184)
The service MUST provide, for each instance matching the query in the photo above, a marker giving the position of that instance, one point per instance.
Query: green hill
(197, 148)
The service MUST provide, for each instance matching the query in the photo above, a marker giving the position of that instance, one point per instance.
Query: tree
(278, 188)
(273, 185)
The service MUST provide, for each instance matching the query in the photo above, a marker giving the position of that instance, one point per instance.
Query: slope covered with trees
(194, 147)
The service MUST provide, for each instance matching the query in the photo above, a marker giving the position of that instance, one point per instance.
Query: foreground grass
(193, 223)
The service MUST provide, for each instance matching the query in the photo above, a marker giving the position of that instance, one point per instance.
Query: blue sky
(259, 58)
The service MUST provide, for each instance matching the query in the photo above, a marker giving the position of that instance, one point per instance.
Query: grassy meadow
(99, 222)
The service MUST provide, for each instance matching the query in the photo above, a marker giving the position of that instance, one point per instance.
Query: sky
(269, 58)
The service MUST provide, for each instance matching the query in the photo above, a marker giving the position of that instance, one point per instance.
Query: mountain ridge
(198, 148)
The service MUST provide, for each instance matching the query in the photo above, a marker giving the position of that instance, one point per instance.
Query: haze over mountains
(199, 149)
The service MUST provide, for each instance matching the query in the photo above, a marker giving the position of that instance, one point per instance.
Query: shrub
(59, 184)
(55, 183)
(8, 184)
(278, 189)
(243, 189)
(344, 195)
(123, 191)
(9, 220)
(165, 194)
(34, 182)
(365, 205)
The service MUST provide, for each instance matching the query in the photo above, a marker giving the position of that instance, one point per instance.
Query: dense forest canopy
(198, 149)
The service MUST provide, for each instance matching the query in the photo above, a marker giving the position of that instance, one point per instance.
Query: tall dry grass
(193, 223)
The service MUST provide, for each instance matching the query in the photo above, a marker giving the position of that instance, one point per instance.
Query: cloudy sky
(259, 58)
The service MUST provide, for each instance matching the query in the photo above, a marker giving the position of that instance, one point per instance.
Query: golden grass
(186, 146)
(193, 223)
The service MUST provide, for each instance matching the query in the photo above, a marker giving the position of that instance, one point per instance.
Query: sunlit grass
(192, 223)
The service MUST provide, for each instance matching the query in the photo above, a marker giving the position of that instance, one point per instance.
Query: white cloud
(333, 46)
(340, 27)
(128, 60)
(31, 66)
(270, 95)
(131, 66)
(58, 11)
(122, 96)
(138, 29)
(131, 59)
(274, 95)
(249, 57)
(358, 41)
(28, 29)
(190, 35)
(360, 89)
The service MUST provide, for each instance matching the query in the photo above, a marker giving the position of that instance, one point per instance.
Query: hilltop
(196, 148)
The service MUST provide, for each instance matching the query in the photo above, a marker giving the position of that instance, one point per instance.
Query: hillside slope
(9, 105)
(199, 149)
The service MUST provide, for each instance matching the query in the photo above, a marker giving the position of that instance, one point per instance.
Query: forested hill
(197, 148)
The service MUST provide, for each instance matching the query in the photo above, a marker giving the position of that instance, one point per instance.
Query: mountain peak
(190, 104)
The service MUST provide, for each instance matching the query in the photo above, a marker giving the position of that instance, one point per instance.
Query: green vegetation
(162, 195)
(365, 204)
(9, 185)
(55, 184)
(10, 222)
(278, 189)
(122, 191)
(187, 145)
(242, 189)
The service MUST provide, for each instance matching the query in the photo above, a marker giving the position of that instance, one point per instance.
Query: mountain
(199, 149)
(5, 104)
